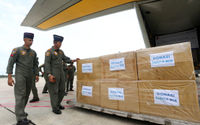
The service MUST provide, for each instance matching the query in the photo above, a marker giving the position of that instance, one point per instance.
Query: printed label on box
(87, 68)
(162, 59)
(166, 97)
(117, 64)
(87, 90)
(116, 93)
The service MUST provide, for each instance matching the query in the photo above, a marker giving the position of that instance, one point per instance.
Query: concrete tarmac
(41, 113)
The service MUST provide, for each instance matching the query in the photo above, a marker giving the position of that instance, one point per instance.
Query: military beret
(28, 35)
(58, 38)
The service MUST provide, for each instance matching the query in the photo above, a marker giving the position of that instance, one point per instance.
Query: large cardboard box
(89, 69)
(120, 95)
(88, 92)
(131, 97)
(106, 102)
(170, 62)
(173, 98)
(121, 66)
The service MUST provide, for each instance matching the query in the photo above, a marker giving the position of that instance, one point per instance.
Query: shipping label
(166, 97)
(162, 59)
(116, 93)
(87, 68)
(117, 64)
(87, 90)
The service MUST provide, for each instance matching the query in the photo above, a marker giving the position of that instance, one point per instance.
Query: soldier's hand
(52, 78)
(36, 78)
(10, 81)
(75, 60)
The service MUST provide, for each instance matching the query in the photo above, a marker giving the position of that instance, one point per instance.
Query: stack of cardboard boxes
(119, 89)
(157, 81)
(89, 75)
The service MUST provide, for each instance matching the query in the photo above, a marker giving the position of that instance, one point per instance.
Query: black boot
(34, 100)
(23, 122)
(56, 111)
(44, 92)
(61, 107)
(66, 93)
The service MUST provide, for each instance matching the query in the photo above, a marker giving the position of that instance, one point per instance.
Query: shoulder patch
(55, 53)
(22, 52)
(47, 53)
(14, 51)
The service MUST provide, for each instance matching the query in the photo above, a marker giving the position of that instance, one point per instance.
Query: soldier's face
(28, 42)
(57, 44)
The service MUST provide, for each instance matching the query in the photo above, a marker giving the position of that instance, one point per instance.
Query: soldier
(26, 63)
(54, 58)
(34, 89)
(45, 78)
(70, 80)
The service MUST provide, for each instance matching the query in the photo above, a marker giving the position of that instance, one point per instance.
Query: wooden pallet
(142, 117)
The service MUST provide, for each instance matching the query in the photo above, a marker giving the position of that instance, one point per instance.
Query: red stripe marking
(12, 104)
(39, 101)
(67, 99)
(49, 101)
(8, 103)
(30, 106)
(7, 97)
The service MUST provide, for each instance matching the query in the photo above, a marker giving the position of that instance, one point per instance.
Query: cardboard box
(170, 62)
(173, 98)
(120, 95)
(131, 97)
(105, 101)
(88, 92)
(89, 69)
(121, 66)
